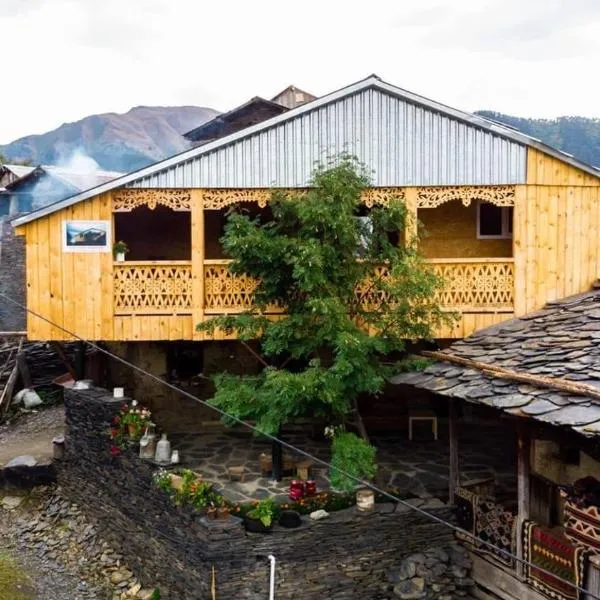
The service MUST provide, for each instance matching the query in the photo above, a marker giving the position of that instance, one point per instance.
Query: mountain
(145, 134)
(117, 142)
(579, 136)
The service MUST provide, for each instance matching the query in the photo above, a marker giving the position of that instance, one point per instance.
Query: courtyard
(413, 469)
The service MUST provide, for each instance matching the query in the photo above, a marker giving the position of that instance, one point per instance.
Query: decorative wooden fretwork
(125, 200)
(152, 289)
(472, 285)
(500, 195)
(476, 285)
(225, 292)
(369, 295)
(215, 199)
(382, 196)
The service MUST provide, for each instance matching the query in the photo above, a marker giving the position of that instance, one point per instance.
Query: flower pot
(255, 526)
(132, 430)
(365, 499)
(223, 513)
(290, 519)
(120, 256)
(211, 513)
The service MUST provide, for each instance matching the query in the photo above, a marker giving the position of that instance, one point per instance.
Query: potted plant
(260, 518)
(134, 419)
(120, 249)
(352, 459)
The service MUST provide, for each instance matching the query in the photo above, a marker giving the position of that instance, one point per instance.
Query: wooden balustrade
(478, 284)
(160, 287)
(152, 288)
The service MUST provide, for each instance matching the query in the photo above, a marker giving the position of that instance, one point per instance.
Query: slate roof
(560, 341)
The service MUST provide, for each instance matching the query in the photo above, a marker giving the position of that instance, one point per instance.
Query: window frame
(505, 216)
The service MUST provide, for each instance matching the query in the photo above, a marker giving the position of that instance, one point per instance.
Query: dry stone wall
(345, 556)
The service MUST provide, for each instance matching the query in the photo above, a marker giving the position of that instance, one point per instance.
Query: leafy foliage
(351, 455)
(328, 346)
(263, 511)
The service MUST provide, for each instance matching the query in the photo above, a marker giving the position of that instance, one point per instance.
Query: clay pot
(290, 519)
(223, 512)
(255, 526)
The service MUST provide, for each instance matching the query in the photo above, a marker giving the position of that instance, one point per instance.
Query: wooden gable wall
(556, 229)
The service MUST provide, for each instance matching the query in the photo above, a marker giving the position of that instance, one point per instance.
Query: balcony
(475, 285)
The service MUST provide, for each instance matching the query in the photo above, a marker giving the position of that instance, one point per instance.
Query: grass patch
(15, 584)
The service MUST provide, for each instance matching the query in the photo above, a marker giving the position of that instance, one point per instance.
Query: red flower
(114, 450)
(113, 433)
(117, 420)
(124, 408)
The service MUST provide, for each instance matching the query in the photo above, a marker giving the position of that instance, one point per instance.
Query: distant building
(23, 189)
(10, 173)
(254, 111)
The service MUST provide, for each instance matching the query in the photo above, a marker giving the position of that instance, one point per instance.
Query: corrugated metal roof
(403, 143)
(559, 342)
(407, 139)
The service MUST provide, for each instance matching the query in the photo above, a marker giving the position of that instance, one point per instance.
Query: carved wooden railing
(478, 284)
(152, 288)
(225, 292)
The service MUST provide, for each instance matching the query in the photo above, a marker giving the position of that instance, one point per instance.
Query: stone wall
(12, 278)
(345, 556)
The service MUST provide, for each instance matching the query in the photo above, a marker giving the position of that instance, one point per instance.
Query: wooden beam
(523, 490)
(63, 357)
(561, 385)
(24, 370)
(6, 396)
(454, 475)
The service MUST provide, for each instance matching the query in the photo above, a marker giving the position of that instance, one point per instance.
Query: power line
(293, 448)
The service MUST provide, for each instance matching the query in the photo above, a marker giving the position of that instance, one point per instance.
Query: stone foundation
(345, 556)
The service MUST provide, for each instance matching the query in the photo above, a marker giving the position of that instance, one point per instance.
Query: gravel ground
(50, 579)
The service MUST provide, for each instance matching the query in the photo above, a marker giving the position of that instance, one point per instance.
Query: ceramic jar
(365, 499)
(163, 450)
(148, 443)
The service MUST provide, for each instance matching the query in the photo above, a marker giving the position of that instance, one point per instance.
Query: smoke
(72, 173)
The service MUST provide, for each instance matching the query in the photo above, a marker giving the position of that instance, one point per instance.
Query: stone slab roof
(560, 341)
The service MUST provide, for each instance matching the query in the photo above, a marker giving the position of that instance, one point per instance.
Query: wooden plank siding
(556, 227)
(556, 253)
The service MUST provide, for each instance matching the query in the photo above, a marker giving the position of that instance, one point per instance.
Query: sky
(66, 59)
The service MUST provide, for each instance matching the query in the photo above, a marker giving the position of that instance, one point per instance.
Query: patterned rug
(582, 526)
(563, 562)
(488, 522)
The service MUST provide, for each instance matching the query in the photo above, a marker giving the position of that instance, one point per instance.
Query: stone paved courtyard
(415, 468)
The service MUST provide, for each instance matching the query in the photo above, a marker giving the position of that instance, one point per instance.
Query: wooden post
(523, 499)
(198, 244)
(411, 225)
(453, 476)
(277, 458)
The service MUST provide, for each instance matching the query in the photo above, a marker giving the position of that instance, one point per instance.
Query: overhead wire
(274, 438)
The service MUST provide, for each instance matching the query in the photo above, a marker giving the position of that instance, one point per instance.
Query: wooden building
(511, 223)
(541, 376)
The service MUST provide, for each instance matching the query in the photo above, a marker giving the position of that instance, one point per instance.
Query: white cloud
(77, 57)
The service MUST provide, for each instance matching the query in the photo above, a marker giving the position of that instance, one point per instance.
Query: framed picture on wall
(86, 236)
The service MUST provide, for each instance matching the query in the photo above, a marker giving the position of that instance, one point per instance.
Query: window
(494, 222)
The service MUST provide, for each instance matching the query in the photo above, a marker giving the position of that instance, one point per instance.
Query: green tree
(332, 344)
